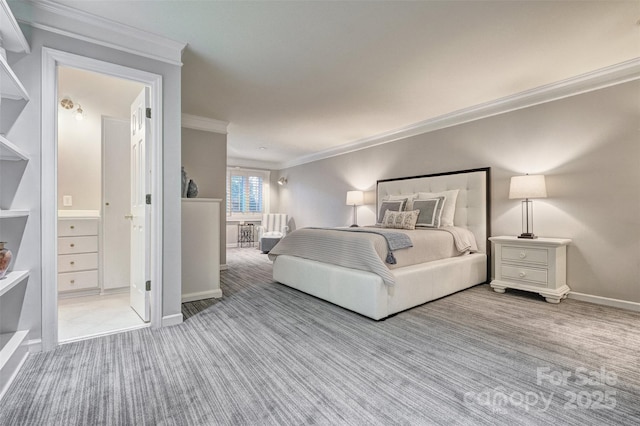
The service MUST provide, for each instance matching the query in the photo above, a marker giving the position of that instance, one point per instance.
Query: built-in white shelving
(12, 88)
(10, 152)
(13, 339)
(5, 214)
(11, 280)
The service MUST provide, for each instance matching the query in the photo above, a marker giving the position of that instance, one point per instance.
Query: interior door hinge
(148, 285)
(148, 199)
(148, 112)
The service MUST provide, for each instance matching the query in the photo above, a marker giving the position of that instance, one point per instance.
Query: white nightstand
(538, 265)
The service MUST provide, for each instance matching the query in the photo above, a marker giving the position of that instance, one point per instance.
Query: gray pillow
(430, 212)
(393, 205)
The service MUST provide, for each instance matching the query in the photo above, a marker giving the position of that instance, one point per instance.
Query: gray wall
(27, 129)
(586, 145)
(204, 157)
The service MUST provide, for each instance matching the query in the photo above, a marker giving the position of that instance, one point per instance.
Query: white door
(140, 210)
(116, 190)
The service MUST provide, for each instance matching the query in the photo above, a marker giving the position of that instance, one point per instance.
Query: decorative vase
(5, 259)
(185, 184)
(192, 190)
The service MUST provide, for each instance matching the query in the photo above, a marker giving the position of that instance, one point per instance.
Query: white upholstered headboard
(473, 203)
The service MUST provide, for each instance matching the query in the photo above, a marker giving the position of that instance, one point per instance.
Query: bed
(378, 292)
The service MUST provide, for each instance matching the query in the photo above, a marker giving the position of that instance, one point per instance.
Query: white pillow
(449, 209)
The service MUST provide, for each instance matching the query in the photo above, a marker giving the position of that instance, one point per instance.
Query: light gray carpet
(266, 354)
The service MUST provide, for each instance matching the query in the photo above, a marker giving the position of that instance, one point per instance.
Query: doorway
(95, 205)
(53, 62)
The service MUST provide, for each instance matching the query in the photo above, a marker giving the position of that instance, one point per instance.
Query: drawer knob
(522, 274)
(73, 281)
(72, 227)
(72, 245)
(523, 255)
(72, 262)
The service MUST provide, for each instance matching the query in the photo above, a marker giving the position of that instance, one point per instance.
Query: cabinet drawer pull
(72, 227)
(72, 262)
(522, 274)
(72, 245)
(73, 281)
(523, 255)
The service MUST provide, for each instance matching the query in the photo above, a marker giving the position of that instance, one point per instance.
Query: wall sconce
(355, 199)
(67, 103)
(282, 181)
(527, 187)
(79, 113)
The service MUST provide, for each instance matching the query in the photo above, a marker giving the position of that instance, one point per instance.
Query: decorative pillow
(449, 209)
(408, 197)
(430, 212)
(400, 220)
(394, 205)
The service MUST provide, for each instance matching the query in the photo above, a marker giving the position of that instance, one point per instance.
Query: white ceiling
(298, 78)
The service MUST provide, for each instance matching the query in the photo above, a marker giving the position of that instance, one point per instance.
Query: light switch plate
(67, 200)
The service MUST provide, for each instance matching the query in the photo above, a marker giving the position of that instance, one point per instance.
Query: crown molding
(67, 21)
(251, 164)
(583, 83)
(203, 123)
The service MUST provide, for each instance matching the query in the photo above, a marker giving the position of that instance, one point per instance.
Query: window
(247, 193)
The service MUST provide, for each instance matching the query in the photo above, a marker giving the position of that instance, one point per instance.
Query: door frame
(51, 59)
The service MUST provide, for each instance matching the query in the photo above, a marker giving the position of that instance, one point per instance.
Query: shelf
(13, 352)
(12, 88)
(10, 152)
(5, 214)
(10, 32)
(11, 280)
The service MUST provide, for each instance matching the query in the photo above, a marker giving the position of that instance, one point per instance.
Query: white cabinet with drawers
(78, 261)
(538, 265)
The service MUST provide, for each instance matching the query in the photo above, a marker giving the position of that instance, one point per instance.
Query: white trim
(197, 122)
(34, 345)
(594, 80)
(190, 297)
(252, 164)
(606, 301)
(104, 333)
(51, 58)
(224, 266)
(170, 320)
(58, 18)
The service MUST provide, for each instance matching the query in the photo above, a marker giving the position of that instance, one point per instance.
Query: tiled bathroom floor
(89, 316)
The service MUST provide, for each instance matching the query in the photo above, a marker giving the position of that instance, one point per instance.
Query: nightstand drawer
(530, 275)
(77, 280)
(77, 262)
(525, 255)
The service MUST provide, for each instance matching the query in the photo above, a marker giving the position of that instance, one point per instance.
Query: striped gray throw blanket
(395, 240)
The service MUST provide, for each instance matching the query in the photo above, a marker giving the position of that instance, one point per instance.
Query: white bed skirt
(365, 293)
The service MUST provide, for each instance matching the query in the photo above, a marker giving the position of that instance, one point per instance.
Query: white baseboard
(170, 320)
(190, 297)
(117, 290)
(34, 345)
(599, 300)
(224, 267)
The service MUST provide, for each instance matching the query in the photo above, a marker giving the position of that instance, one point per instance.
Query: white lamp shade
(355, 198)
(528, 186)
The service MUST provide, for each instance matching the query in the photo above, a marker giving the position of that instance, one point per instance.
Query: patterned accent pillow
(393, 205)
(400, 220)
(430, 212)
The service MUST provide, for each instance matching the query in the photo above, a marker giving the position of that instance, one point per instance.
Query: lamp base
(353, 226)
(528, 235)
